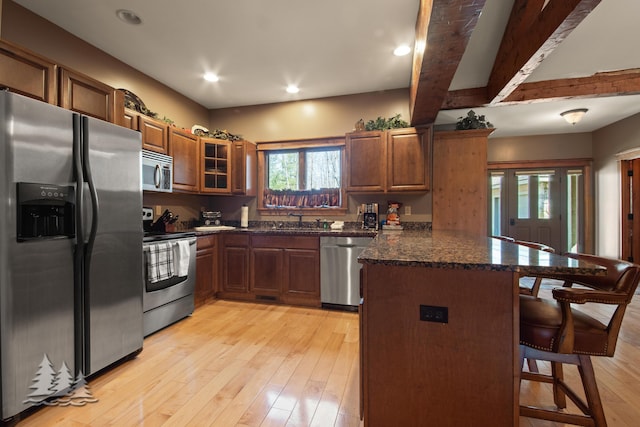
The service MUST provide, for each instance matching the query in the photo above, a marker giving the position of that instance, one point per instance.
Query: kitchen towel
(181, 257)
(160, 262)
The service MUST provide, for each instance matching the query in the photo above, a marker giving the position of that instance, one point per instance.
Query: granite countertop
(455, 250)
(294, 231)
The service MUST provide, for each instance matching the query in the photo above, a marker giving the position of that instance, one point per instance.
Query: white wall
(607, 142)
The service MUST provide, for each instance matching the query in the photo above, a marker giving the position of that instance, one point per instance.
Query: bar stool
(535, 288)
(552, 330)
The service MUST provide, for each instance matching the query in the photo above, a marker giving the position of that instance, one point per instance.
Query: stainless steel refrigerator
(70, 248)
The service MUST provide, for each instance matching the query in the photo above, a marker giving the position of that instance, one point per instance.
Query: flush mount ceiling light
(210, 77)
(402, 50)
(128, 16)
(574, 116)
(293, 89)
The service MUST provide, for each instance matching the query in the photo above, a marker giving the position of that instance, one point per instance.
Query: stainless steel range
(169, 278)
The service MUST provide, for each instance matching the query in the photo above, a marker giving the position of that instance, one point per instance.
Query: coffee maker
(369, 212)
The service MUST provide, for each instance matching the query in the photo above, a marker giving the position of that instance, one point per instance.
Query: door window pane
(497, 184)
(574, 179)
(544, 199)
(524, 185)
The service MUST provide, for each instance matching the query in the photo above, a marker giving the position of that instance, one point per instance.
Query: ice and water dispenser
(45, 211)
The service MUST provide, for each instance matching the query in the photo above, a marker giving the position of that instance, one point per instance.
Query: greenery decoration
(383, 124)
(218, 134)
(472, 121)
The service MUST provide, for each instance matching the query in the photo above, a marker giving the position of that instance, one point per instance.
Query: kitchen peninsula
(439, 327)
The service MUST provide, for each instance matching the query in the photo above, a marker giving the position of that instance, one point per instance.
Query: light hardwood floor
(244, 364)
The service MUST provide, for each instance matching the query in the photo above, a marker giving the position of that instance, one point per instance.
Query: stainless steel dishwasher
(340, 271)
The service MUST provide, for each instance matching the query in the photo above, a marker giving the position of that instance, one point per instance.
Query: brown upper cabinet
(28, 74)
(388, 161)
(244, 168)
(366, 153)
(185, 149)
(130, 119)
(155, 134)
(85, 95)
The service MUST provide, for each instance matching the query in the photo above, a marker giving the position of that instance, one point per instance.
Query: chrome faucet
(299, 217)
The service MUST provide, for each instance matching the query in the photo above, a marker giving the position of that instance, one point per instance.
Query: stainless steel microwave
(157, 172)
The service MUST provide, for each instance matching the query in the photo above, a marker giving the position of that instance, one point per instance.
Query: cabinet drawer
(285, 242)
(206, 242)
(236, 240)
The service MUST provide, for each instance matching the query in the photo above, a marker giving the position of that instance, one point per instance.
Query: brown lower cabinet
(235, 266)
(278, 268)
(206, 269)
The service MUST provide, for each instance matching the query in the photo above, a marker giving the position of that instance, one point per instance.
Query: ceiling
(337, 47)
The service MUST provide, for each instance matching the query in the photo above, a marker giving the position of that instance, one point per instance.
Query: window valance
(324, 197)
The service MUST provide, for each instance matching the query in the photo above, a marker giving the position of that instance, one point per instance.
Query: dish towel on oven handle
(161, 262)
(181, 258)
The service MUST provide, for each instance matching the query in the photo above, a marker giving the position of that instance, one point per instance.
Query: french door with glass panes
(538, 205)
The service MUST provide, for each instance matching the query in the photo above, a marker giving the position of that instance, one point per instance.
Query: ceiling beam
(534, 30)
(443, 30)
(612, 83)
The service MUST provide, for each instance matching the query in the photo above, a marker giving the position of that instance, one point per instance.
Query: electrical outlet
(431, 313)
(407, 210)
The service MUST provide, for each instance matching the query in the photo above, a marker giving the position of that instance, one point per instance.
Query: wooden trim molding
(296, 144)
(527, 164)
(633, 153)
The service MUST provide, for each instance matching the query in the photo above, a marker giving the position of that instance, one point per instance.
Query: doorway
(541, 204)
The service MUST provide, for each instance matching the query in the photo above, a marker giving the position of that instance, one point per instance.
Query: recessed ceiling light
(128, 16)
(293, 89)
(210, 77)
(402, 50)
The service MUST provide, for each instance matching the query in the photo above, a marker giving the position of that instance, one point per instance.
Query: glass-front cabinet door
(215, 164)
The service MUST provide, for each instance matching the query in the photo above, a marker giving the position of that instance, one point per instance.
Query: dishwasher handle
(346, 245)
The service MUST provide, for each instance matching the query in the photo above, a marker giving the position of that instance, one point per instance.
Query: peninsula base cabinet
(415, 372)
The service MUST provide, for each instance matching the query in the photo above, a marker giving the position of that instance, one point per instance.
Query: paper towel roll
(244, 217)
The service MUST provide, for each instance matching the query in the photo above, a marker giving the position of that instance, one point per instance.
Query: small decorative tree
(472, 121)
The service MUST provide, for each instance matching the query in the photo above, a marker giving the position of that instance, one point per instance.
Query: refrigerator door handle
(78, 256)
(92, 191)
(78, 173)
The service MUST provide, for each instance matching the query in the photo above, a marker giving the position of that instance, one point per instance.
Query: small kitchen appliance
(211, 218)
(369, 213)
(157, 170)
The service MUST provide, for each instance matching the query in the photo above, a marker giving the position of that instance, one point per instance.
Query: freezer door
(113, 296)
(36, 276)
